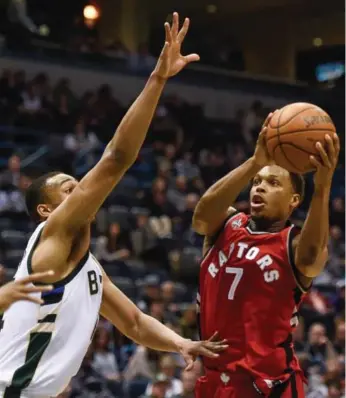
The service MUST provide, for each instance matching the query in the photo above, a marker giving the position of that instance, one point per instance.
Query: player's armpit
(310, 266)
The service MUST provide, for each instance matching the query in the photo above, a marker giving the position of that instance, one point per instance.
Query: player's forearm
(315, 232)
(131, 133)
(220, 196)
(153, 334)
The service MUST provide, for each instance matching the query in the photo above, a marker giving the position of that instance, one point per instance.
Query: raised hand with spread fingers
(171, 61)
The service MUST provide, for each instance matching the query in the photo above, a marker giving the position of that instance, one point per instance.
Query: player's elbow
(117, 157)
(132, 328)
(200, 222)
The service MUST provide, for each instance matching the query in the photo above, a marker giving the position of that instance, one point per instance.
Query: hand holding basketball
(326, 162)
(292, 135)
(171, 61)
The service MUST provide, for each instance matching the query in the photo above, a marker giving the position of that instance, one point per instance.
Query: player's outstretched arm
(22, 289)
(121, 152)
(147, 331)
(215, 205)
(310, 246)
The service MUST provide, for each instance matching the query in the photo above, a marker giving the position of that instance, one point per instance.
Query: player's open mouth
(257, 202)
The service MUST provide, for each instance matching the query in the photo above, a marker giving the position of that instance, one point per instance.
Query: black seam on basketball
(287, 121)
(299, 131)
(278, 136)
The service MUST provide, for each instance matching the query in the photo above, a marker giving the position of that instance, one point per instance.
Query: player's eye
(275, 183)
(256, 182)
(69, 190)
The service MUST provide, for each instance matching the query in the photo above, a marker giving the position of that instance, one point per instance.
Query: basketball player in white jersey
(42, 346)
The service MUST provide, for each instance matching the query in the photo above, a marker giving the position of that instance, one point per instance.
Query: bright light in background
(317, 42)
(91, 12)
(211, 8)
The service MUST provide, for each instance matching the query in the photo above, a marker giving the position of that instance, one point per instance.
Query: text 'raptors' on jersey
(248, 277)
(51, 339)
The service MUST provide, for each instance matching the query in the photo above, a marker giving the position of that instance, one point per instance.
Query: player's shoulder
(236, 219)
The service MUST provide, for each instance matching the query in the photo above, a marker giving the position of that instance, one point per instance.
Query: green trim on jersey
(23, 376)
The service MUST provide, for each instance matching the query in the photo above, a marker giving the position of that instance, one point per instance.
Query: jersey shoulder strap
(209, 241)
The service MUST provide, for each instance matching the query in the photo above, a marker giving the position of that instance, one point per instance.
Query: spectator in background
(337, 216)
(81, 140)
(168, 294)
(191, 201)
(63, 87)
(168, 368)
(142, 364)
(89, 383)
(113, 246)
(160, 386)
(10, 178)
(63, 113)
(188, 380)
(41, 81)
(32, 102)
(143, 238)
(339, 341)
(185, 167)
(176, 194)
(151, 292)
(319, 348)
(339, 299)
(188, 322)
(104, 361)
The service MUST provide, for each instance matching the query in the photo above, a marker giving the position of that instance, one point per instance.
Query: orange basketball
(293, 133)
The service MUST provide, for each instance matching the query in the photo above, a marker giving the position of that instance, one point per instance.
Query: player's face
(272, 196)
(57, 189)
(60, 187)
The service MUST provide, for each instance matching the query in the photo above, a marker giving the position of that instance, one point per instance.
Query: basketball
(292, 135)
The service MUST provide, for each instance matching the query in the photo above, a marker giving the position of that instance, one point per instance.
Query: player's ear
(44, 210)
(295, 200)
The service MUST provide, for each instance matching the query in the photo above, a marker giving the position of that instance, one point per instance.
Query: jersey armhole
(292, 233)
(212, 239)
(67, 278)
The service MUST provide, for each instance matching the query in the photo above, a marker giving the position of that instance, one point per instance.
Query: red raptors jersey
(249, 294)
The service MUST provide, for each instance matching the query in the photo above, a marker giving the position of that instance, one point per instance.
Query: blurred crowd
(142, 236)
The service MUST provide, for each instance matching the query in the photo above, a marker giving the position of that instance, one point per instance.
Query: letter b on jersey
(93, 283)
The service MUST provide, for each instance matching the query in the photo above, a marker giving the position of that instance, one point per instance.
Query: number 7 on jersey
(238, 272)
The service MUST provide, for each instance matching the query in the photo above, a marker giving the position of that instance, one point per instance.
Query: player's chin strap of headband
(265, 387)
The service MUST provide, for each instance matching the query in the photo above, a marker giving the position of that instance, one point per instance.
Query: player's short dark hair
(36, 195)
(298, 184)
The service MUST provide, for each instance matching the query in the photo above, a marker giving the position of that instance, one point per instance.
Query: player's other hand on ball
(261, 155)
(171, 61)
(21, 289)
(327, 161)
(190, 350)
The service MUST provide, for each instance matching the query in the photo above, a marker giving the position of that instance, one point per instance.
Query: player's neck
(262, 225)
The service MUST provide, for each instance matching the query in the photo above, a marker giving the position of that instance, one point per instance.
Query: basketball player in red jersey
(255, 271)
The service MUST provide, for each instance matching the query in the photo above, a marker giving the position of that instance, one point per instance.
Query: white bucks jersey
(42, 346)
